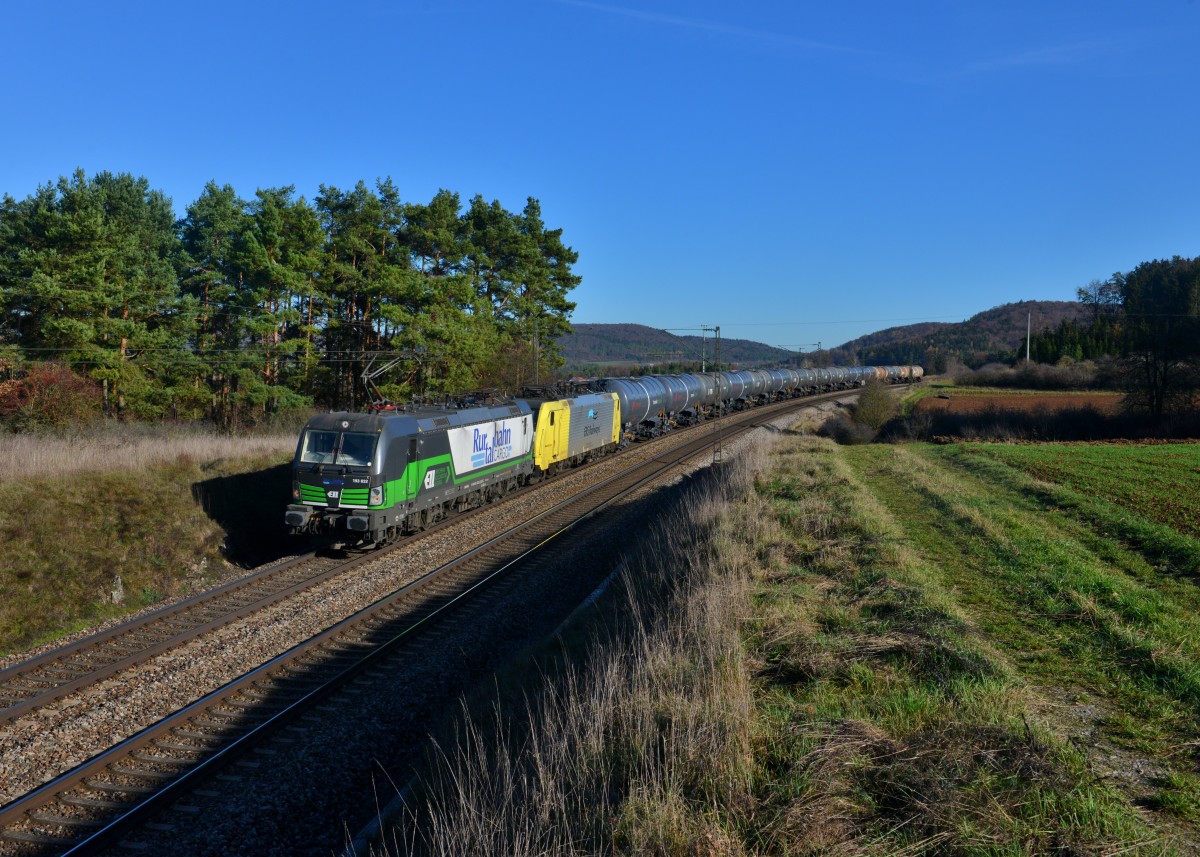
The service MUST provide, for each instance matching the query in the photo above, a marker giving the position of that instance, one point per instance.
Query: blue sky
(794, 172)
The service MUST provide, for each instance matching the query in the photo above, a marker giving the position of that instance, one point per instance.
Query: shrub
(875, 406)
(846, 431)
(50, 395)
(1067, 374)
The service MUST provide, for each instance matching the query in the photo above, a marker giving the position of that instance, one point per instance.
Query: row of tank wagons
(370, 478)
(651, 404)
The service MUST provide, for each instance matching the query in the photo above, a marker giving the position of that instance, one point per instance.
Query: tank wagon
(651, 404)
(372, 477)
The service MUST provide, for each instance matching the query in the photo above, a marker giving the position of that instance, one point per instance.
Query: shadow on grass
(250, 507)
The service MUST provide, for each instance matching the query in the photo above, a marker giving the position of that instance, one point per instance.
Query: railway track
(40, 681)
(100, 800)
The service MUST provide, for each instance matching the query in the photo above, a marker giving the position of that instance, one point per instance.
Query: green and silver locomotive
(371, 477)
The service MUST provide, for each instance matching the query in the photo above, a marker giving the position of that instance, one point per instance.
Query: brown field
(1106, 403)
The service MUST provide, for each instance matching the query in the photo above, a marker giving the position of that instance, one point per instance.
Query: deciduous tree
(1161, 333)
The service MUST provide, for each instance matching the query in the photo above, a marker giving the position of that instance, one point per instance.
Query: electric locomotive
(374, 476)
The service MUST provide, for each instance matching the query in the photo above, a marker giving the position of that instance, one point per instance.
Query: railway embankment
(865, 649)
(94, 530)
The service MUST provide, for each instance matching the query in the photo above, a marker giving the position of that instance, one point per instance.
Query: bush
(49, 396)
(1067, 374)
(875, 406)
(846, 431)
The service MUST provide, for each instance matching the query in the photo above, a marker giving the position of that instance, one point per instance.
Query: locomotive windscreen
(354, 449)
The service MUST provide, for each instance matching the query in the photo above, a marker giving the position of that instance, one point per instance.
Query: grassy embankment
(973, 649)
(162, 513)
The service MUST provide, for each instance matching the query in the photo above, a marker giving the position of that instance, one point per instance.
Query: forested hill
(990, 335)
(614, 344)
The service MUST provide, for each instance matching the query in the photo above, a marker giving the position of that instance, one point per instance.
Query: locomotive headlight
(296, 491)
(376, 496)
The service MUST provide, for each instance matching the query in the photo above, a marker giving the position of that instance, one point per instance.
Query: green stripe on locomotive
(412, 480)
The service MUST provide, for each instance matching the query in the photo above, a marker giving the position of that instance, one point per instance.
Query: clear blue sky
(791, 171)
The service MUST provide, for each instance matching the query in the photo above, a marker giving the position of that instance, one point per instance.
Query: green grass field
(1159, 484)
(1051, 589)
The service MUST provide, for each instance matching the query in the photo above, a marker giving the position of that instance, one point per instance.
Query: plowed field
(1107, 403)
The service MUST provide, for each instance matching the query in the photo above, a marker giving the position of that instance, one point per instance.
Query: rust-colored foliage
(49, 395)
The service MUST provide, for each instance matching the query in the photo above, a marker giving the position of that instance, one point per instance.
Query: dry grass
(29, 456)
(119, 519)
(646, 747)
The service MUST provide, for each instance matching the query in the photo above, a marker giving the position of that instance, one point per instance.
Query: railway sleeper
(174, 629)
(222, 729)
(65, 820)
(90, 802)
(242, 719)
(324, 659)
(267, 696)
(84, 666)
(65, 672)
(148, 773)
(153, 759)
(162, 629)
(296, 679)
(346, 646)
(21, 685)
(248, 703)
(118, 788)
(19, 835)
(182, 748)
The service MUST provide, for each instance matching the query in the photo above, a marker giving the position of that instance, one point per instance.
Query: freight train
(363, 478)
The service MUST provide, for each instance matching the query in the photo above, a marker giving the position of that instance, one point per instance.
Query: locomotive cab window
(331, 447)
(357, 449)
(318, 447)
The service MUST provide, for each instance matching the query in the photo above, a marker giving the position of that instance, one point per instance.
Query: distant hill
(994, 334)
(635, 344)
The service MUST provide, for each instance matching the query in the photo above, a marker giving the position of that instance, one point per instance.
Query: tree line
(248, 307)
(1149, 320)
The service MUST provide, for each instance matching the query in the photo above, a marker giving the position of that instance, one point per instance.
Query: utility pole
(705, 328)
(1028, 329)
